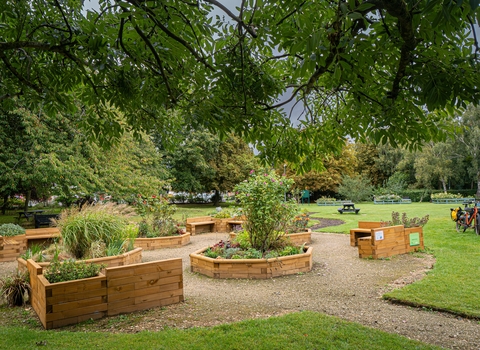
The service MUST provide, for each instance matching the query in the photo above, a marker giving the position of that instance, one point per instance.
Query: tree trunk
(5, 203)
(477, 195)
(444, 185)
(216, 198)
(27, 199)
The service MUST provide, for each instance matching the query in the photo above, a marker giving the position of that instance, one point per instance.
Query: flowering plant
(267, 213)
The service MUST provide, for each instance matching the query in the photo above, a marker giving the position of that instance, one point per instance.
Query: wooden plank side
(69, 297)
(77, 312)
(82, 285)
(78, 304)
(159, 277)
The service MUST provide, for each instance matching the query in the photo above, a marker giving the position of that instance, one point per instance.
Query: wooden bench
(42, 233)
(389, 241)
(363, 230)
(44, 219)
(200, 224)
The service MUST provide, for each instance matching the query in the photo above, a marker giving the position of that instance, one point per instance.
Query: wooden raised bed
(162, 242)
(118, 290)
(12, 247)
(251, 268)
(297, 238)
(391, 240)
(131, 257)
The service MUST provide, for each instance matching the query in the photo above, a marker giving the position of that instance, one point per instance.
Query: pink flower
(252, 171)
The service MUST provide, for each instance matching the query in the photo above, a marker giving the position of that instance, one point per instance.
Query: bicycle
(465, 218)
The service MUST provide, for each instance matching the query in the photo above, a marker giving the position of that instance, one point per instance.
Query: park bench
(200, 224)
(364, 229)
(390, 240)
(45, 219)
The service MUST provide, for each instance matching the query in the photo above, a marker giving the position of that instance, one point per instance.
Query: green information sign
(414, 239)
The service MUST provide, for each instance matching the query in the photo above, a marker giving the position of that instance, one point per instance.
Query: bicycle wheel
(477, 224)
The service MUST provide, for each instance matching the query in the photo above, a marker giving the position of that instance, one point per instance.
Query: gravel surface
(340, 284)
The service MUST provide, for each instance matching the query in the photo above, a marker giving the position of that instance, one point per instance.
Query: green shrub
(443, 195)
(70, 270)
(325, 199)
(262, 198)
(15, 288)
(356, 188)
(9, 230)
(157, 217)
(388, 197)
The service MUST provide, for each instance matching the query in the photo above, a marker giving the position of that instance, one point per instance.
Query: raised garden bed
(392, 201)
(131, 257)
(251, 268)
(12, 247)
(118, 290)
(452, 200)
(162, 242)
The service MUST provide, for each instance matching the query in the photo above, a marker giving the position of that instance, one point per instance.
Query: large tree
(382, 70)
(48, 155)
(468, 137)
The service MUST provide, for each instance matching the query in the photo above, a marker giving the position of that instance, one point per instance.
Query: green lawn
(303, 330)
(453, 283)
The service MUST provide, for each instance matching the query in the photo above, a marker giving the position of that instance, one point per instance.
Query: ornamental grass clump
(267, 213)
(15, 288)
(82, 229)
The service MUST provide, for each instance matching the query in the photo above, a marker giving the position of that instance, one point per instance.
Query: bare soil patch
(340, 284)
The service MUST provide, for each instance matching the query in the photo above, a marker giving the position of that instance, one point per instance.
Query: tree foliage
(50, 156)
(377, 70)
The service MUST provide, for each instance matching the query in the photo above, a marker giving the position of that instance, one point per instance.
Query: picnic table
(28, 214)
(348, 208)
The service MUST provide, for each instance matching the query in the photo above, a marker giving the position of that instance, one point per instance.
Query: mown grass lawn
(303, 330)
(453, 284)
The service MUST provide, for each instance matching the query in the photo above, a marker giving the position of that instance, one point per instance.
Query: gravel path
(340, 284)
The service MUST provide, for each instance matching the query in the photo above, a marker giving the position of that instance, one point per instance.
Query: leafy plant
(267, 213)
(9, 230)
(157, 217)
(388, 197)
(407, 222)
(15, 288)
(70, 270)
(223, 214)
(325, 199)
(33, 252)
(444, 195)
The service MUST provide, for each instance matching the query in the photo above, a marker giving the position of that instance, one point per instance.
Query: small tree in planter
(267, 213)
